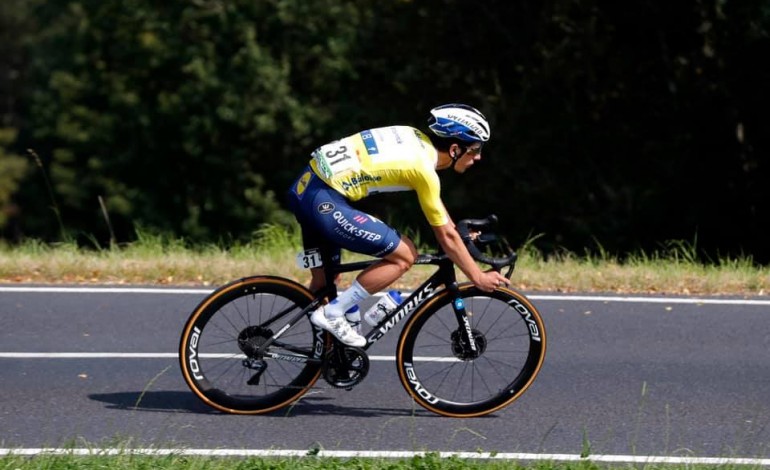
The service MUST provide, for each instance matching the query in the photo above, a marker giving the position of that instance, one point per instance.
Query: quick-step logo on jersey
(348, 229)
(370, 143)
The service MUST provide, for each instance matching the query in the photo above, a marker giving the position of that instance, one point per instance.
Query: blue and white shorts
(330, 223)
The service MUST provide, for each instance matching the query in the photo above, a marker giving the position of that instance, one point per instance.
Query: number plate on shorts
(309, 259)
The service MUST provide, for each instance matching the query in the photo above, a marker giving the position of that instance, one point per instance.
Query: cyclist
(395, 158)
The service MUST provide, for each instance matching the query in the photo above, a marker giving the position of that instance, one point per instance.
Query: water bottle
(353, 316)
(384, 306)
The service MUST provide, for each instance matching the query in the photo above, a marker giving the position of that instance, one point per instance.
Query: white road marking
(102, 290)
(117, 355)
(77, 355)
(650, 459)
(357, 454)
(577, 298)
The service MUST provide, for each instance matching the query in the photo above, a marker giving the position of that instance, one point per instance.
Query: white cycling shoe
(339, 327)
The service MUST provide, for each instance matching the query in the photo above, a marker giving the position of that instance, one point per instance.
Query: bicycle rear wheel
(218, 349)
(447, 377)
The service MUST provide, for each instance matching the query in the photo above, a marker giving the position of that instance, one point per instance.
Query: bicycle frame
(452, 361)
(444, 275)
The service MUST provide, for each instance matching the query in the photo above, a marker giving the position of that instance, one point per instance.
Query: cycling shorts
(329, 222)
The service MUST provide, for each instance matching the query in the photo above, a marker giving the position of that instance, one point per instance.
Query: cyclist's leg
(361, 232)
(313, 240)
(320, 210)
(390, 268)
(318, 279)
(358, 231)
(301, 203)
(326, 214)
(327, 217)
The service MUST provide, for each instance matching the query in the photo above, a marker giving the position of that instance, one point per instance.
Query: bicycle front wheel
(219, 349)
(444, 376)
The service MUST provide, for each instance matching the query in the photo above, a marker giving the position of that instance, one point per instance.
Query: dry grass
(661, 276)
(175, 264)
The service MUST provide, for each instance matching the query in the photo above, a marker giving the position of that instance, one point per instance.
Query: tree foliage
(618, 124)
(181, 115)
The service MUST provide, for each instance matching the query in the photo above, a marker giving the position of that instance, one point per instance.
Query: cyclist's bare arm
(454, 248)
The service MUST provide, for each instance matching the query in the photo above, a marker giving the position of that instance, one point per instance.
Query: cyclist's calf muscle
(380, 275)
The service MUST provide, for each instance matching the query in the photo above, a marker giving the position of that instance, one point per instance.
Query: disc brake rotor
(463, 350)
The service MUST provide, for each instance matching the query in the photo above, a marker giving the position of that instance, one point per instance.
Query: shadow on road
(186, 402)
(176, 402)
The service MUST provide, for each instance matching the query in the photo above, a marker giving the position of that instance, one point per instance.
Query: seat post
(330, 273)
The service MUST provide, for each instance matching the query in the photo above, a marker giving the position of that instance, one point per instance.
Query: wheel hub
(252, 338)
(462, 349)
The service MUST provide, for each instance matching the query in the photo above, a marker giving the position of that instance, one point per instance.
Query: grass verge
(428, 461)
(154, 260)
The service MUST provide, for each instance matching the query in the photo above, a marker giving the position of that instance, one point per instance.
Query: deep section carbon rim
(220, 342)
(449, 377)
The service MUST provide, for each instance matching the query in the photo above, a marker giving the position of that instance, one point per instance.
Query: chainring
(346, 366)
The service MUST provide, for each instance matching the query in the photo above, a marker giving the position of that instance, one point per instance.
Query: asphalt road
(665, 378)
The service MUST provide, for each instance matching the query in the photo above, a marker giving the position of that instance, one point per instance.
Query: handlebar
(479, 234)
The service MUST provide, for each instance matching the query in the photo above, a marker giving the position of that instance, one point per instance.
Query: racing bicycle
(249, 347)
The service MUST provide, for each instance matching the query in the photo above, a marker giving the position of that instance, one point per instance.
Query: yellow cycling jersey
(396, 158)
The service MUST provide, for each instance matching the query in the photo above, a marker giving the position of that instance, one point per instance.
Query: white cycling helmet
(459, 121)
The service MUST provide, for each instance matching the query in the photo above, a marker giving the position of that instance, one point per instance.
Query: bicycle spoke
(221, 349)
(460, 380)
(465, 368)
(441, 345)
(225, 371)
(225, 341)
(447, 369)
(449, 329)
(486, 385)
(236, 330)
(505, 331)
(494, 367)
(501, 362)
(234, 306)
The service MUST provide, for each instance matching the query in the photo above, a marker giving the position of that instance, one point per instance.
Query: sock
(346, 299)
